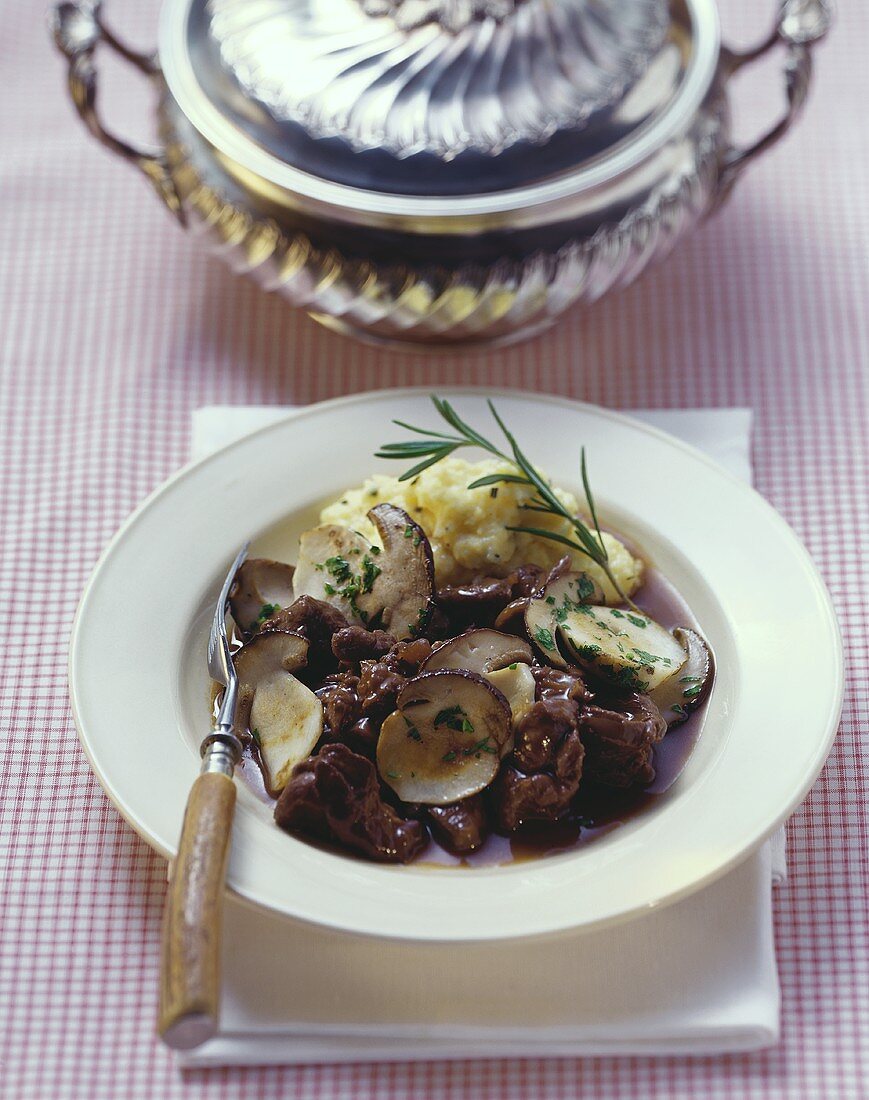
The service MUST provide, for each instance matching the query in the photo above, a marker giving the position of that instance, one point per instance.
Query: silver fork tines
(220, 666)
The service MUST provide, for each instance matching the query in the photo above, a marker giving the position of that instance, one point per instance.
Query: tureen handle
(801, 25)
(77, 30)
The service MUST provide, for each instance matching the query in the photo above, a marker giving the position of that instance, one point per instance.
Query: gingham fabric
(114, 327)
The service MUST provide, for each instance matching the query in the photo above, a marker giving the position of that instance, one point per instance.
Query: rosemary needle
(435, 446)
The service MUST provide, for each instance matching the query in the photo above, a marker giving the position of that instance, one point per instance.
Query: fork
(192, 923)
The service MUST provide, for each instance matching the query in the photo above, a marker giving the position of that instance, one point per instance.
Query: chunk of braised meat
(343, 720)
(379, 684)
(339, 695)
(481, 601)
(335, 796)
(540, 780)
(542, 732)
(354, 706)
(461, 827)
(620, 742)
(438, 625)
(353, 644)
(558, 683)
(528, 579)
(477, 603)
(407, 657)
(318, 622)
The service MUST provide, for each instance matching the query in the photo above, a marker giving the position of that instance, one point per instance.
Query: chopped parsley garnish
(650, 658)
(513, 667)
(449, 757)
(617, 614)
(690, 693)
(637, 621)
(544, 637)
(690, 679)
(375, 550)
(408, 531)
(481, 746)
(588, 651)
(454, 718)
(493, 492)
(414, 734)
(370, 573)
(255, 735)
(329, 589)
(339, 568)
(678, 708)
(550, 599)
(628, 679)
(585, 587)
(266, 612)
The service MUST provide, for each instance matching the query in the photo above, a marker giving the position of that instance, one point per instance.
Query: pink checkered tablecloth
(113, 327)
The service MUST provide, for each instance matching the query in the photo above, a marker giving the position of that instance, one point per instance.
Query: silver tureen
(440, 171)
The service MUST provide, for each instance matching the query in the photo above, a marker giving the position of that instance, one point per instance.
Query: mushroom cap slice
(330, 559)
(260, 587)
(482, 651)
(550, 606)
(284, 717)
(517, 684)
(628, 650)
(364, 581)
(503, 659)
(404, 589)
(445, 739)
(678, 696)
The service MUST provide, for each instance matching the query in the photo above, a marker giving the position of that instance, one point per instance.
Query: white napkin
(697, 977)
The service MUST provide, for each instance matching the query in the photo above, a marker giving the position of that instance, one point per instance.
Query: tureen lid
(424, 99)
(437, 97)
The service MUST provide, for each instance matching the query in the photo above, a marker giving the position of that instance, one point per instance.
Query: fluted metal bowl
(441, 171)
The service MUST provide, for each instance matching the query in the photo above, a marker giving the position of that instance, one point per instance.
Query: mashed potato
(468, 528)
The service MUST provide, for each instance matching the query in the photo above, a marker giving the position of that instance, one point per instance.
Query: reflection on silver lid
(432, 77)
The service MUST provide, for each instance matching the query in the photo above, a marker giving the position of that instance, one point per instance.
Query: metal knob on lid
(434, 80)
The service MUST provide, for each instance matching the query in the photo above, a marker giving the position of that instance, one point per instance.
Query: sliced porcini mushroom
(678, 696)
(444, 741)
(403, 592)
(549, 607)
(481, 651)
(517, 684)
(502, 658)
(624, 648)
(285, 718)
(330, 568)
(260, 588)
(393, 585)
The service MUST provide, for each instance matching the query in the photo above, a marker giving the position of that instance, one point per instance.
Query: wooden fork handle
(190, 978)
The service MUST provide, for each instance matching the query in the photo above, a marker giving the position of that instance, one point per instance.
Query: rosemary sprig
(436, 446)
